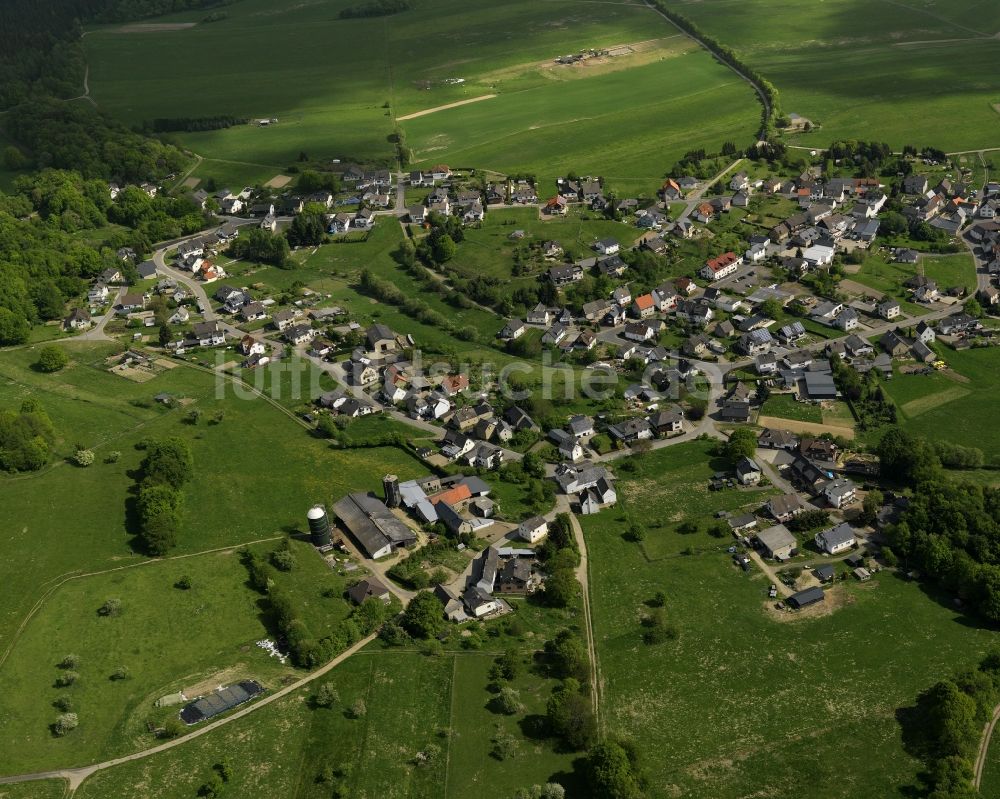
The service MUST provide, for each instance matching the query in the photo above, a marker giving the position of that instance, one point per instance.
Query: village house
(836, 539)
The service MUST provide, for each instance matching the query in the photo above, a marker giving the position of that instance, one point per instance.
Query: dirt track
(427, 111)
(794, 426)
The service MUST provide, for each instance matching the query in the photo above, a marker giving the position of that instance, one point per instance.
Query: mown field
(610, 124)
(747, 701)
(901, 72)
(43, 789)
(336, 86)
(415, 703)
(954, 408)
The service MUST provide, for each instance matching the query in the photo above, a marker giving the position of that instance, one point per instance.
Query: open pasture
(748, 701)
(410, 700)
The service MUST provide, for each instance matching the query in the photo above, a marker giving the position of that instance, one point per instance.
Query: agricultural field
(757, 701)
(908, 74)
(43, 789)
(375, 755)
(354, 78)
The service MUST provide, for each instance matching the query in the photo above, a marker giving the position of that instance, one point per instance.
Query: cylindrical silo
(319, 526)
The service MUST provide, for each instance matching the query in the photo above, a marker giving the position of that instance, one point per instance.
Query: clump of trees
(26, 438)
(560, 555)
(168, 465)
(263, 246)
(944, 727)
(950, 532)
(375, 8)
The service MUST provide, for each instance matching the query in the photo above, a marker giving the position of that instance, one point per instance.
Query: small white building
(533, 530)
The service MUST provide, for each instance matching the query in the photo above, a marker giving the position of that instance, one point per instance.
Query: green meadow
(336, 86)
(438, 705)
(952, 408)
(167, 639)
(256, 472)
(749, 701)
(906, 72)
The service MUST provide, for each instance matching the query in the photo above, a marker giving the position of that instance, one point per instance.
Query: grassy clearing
(169, 640)
(938, 407)
(787, 407)
(757, 706)
(680, 475)
(43, 789)
(905, 76)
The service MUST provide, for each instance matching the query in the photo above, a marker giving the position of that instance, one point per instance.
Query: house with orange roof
(723, 266)
(453, 496)
(556, 205)
(452, 384)
(643, 306)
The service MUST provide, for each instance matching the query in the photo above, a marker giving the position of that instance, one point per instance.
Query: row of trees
(375, 8)
(772, 103)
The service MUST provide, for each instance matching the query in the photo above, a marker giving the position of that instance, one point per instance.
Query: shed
(809, 596)
(777, 542)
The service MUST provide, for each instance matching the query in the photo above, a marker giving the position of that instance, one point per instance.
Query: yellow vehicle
(939, 365)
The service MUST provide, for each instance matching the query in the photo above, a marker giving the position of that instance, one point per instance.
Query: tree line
(194, 124)
(375, 8)
(772, 105)
(26, 437)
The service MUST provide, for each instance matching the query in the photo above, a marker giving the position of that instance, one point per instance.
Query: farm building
(369, 588)
(376, 529)
(777, 542)
(220, 701)
(804, 599)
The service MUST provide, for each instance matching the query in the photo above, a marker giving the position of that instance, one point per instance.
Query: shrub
(509, 701)
(359, 709)
(83, 457)
(111, 608)
(63, 702)
(120, 673)
(52, 359)
(65, 724)
(70, 662)
(184, 583)
(326, 696)
(66, 679)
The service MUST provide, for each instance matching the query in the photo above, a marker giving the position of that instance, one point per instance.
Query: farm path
(984, 748)
(75, 776)
(445, 107)
(771, 574)
(695, 199)
(583, 577)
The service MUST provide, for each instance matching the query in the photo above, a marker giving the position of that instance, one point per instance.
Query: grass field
(43, 789)
(283, 471)
(937, 406)
(785, 406)
(289, 743)
(746, 703)
(336, 86)
(906, 74)
(169, 639)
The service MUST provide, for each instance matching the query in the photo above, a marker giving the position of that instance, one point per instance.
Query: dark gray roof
(372, 523)
(807, 597)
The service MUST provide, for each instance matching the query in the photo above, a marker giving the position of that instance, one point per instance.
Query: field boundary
(794, 426)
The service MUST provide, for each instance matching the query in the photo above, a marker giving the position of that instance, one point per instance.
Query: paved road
(96, 333)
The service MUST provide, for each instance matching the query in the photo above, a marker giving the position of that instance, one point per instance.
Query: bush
(83, 457)
(120, 673)
(509, 701)
(111, 608)
(65, 724)
(184, 583)
(63, 702)
(52, 359)
(326, 696)
(66, 679)
(359, 709)
(70, 662)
